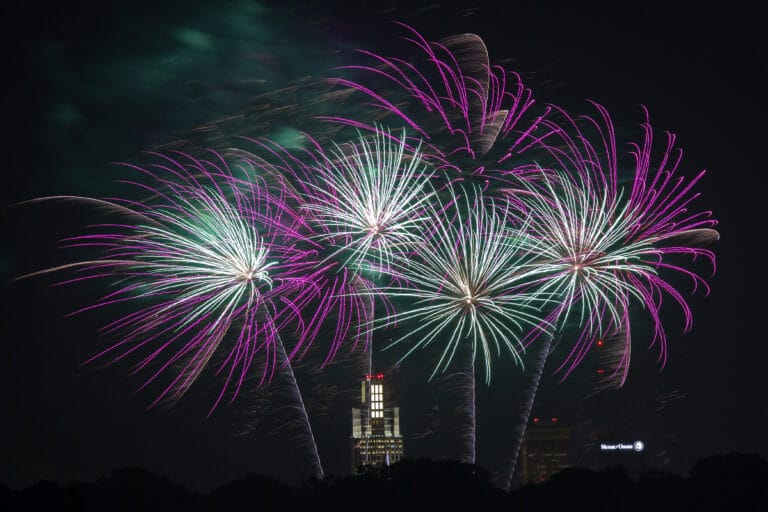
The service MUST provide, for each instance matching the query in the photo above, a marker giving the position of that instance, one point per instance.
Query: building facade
(546, 450)
(376, 441)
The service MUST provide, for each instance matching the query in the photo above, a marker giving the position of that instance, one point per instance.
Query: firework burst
(467, 283)
(584, 257)
(213, 263)
(604, 245)
(369, 200)
(472, 116)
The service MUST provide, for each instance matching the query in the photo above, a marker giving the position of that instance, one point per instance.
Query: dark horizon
(96, 84)
(734, 480)
(716, 461)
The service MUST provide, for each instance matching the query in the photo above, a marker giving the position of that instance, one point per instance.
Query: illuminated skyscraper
(376, 440)
(546, 450)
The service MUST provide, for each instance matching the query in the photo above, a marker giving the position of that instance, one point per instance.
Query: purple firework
(355, 215)
(216, 264)
(472, 117)
(603, 246)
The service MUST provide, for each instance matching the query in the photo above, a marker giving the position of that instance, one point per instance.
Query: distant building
(546, 450)
(376, 440)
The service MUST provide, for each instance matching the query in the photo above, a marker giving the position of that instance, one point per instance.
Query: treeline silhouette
(735, 481)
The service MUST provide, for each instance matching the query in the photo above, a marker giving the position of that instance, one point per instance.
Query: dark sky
(86, 86)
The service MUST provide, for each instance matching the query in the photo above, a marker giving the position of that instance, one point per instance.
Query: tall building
(376, 440)
(546, 450)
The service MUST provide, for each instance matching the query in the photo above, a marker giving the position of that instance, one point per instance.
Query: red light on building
(600, 371)
(599, 343)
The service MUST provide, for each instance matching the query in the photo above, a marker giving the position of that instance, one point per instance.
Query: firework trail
(362, 204)
(468, 406)
(225, 265)
(356, 206)
(508, 471)
(303, 421)
(584, 257)
(466, 282)
(603, 247)
(472, 116)
(216, 264)
(369, 197)
(365, 203)
(367, 200)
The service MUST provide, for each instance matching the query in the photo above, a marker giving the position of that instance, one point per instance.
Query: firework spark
(369, 200)
(603, 247)
(471, 115)
(350, 223)
(466, 283)
(584, 256)
(213, 265)
(223, 265)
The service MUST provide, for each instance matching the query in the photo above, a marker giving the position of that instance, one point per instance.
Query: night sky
(88, 86)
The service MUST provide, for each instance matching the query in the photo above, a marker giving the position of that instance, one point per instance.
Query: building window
(377, 401)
